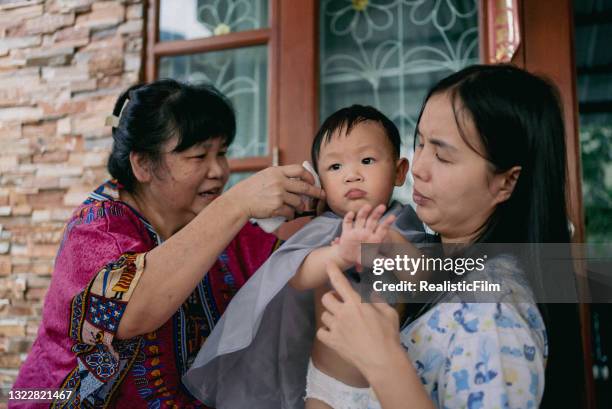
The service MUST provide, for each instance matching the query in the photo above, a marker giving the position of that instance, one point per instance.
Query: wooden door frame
(543, 26)
(299, 79)
(547, 48)
(298, 108)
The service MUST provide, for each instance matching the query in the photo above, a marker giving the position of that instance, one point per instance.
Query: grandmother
(149, 262)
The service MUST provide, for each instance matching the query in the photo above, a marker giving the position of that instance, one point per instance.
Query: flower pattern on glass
(224, 16)
(360, 17)
(442, 14)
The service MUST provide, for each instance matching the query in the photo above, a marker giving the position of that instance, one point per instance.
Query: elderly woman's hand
(364, 334)
(275, 191)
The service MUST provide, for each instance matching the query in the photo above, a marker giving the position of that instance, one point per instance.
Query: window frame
(231, 41)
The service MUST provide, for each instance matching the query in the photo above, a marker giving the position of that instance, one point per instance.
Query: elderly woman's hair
(519, 121)
(161, 110)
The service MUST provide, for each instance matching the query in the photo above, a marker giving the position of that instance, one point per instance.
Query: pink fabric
(86, 248)
(101, 231)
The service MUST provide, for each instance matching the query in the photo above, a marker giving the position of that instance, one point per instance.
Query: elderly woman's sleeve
(496, 358)
(95, 313)
(112, 256)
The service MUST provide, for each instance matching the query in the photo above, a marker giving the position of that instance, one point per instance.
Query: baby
(356, 154)
(264, 345)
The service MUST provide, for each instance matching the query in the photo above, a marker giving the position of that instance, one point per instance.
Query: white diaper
(337, 394)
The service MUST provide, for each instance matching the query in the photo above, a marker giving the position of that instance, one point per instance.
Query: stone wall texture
(62, 65)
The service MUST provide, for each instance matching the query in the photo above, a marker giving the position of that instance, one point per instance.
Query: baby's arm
(311, 273)
(364, 228)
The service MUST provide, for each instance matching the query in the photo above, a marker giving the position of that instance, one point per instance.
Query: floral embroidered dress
(99, 263)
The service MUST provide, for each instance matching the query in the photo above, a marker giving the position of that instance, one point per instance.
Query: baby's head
(356, 154)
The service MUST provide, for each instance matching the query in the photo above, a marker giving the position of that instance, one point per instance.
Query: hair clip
(113, 120)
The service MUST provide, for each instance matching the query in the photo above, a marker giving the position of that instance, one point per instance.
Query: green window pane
(189, 19)
(240, 74)
(387, 53)
(594, 89)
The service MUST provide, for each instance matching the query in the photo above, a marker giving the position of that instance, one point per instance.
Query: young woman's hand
(367, 336)
(366, 227)
(364, 334)
(275, 191)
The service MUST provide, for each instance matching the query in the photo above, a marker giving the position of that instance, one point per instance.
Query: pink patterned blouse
(99, 263)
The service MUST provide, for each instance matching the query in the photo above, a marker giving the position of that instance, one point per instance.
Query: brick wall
(62, 64)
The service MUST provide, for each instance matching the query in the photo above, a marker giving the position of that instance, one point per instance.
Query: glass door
(388, 53)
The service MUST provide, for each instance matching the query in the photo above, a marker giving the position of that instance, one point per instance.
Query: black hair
(518, 118)
(158, 111)
(519, 121)
(347, 118)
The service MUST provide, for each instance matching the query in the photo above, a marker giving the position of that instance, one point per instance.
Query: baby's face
(359, 168)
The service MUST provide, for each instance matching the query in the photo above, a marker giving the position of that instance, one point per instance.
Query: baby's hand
(365, 228)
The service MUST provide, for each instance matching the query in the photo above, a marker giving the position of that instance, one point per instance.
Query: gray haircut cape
(257, 354)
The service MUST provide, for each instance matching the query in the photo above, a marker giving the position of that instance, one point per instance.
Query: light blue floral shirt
(481, 355)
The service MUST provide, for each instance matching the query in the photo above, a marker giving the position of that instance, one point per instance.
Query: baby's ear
(401, 170)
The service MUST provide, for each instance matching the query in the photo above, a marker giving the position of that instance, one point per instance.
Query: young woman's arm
(495, 352)
(396, 383)
(367, 335)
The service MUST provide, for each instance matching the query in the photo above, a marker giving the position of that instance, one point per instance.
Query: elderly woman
(149, 262)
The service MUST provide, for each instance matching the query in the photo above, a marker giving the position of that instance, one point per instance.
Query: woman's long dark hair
(519, 120)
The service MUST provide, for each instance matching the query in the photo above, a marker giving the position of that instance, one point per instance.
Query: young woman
(489, 167)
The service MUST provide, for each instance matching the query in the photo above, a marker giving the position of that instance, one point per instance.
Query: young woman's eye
(201, 156)
(335, 166)
(367, 161)
(440, 159)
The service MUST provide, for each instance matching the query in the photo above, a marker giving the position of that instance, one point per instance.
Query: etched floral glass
(242, 76)
(387, 53)
(189, 19)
